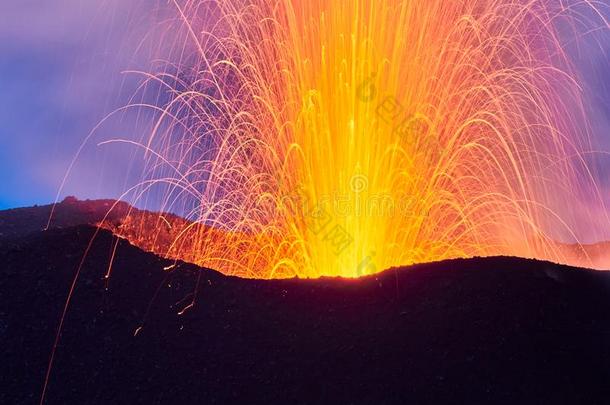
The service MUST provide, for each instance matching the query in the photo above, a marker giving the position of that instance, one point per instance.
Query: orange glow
(310, 138)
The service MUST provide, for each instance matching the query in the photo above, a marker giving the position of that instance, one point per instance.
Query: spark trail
(309, 138)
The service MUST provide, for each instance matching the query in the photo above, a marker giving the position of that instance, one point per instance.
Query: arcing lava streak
(328, 137)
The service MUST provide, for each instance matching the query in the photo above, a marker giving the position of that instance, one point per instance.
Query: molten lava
(310, 138)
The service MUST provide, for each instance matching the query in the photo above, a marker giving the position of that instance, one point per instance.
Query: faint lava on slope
(173, 237)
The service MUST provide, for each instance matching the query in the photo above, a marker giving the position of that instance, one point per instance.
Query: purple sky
(60, 74)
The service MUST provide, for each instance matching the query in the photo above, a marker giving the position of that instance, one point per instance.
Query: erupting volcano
(305, 201)
(323, 138)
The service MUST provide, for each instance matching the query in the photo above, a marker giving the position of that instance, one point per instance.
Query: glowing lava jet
(310, 138)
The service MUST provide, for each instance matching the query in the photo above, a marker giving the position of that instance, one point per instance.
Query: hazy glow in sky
(60, 75)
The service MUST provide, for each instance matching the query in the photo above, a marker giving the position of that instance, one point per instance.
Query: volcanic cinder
(495, 330)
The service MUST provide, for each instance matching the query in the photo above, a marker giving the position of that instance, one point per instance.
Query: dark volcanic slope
(501, 330)
(21, 222)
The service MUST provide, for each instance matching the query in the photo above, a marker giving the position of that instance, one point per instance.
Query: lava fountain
(311, 138)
